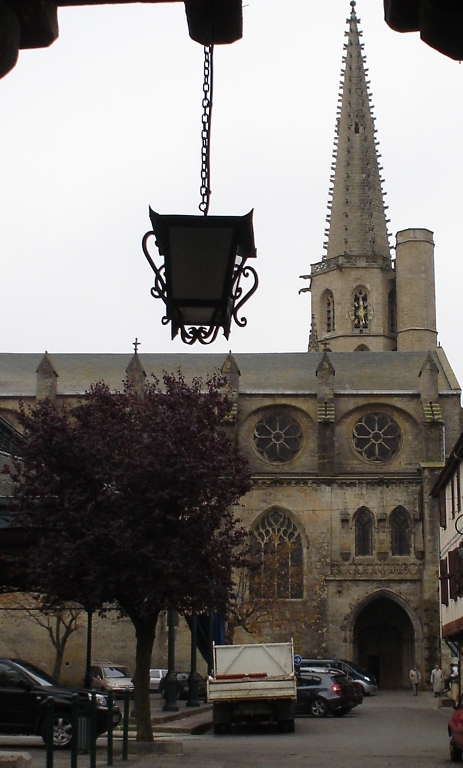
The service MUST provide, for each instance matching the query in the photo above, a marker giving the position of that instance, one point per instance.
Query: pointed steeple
(313, 336)
(136, 374)
(357, 222)
(47, 378)
(353, 287)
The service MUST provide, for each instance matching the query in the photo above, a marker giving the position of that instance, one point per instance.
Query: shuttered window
(455, 574)
(444, 582)
(442, 510)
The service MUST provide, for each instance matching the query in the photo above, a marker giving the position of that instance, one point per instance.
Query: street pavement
(392, 729)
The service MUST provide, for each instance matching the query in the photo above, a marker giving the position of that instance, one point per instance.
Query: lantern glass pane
(199, 262)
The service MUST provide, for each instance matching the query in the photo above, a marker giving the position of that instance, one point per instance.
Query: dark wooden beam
(34, 23)
(439, 22)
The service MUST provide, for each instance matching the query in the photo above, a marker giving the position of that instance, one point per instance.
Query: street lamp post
(170, 704)
(193, 683)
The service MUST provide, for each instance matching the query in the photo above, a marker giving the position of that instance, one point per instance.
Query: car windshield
(38, 675)
(115, 672)
(355, 668)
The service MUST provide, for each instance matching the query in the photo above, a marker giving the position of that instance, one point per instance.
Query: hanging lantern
(205, 257)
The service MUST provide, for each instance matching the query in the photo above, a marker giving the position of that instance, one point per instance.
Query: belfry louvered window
(392, 311)
(330, 315)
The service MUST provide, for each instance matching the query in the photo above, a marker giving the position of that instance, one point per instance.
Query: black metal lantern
(205, 257)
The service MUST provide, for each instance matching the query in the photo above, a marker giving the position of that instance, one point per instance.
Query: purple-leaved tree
(130, 497)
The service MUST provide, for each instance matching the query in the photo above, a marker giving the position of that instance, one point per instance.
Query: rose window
(377, 437)
(277, 438)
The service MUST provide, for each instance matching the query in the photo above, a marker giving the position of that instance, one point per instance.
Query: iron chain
(205, 189)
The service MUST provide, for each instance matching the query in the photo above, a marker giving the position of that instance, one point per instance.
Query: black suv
(183, 685)
(24, 690)
(324, 692)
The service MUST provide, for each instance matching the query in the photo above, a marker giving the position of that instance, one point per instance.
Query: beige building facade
(344, 440)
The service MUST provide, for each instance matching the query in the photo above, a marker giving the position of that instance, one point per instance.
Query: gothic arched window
(7, 438)
(400, 532)
(363, 532)
(277, 549)
(392, 310)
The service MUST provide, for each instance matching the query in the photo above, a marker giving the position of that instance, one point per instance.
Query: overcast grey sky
(107, 121)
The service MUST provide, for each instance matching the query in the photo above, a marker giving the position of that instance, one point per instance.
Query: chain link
(205, 189)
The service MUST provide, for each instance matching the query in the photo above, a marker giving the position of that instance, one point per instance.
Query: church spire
(357, 222)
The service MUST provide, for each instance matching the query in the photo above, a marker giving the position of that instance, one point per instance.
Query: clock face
(360, 313)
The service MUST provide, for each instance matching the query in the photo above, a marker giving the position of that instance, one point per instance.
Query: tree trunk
(58, 662)
(145, 631)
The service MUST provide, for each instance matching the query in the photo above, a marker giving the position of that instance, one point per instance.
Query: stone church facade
(344, 440)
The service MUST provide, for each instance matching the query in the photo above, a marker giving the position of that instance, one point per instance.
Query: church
(345, 440)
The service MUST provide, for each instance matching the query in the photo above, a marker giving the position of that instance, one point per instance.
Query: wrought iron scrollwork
(158, 290)
(245, 271)
(205, 334)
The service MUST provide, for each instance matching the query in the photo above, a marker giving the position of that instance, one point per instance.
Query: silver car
(107, 676)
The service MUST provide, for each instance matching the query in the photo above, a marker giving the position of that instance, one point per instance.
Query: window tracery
(277, 549)
(277, 437)
(377, 437)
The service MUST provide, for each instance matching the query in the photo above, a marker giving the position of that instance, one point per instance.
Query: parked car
(455, 731)
(24, 690)
(183, 686)
(359, 675)
(324, 692)
(156, 676)
(107, 676)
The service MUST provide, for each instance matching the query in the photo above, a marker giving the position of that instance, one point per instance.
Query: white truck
(254, 682)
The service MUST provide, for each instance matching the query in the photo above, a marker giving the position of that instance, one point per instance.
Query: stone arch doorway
(384, 640)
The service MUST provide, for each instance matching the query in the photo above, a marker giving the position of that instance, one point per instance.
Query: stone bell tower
(361, 299)
(353, 287)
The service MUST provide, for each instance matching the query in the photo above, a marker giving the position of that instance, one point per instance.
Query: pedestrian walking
(437, 681)
(415, 678)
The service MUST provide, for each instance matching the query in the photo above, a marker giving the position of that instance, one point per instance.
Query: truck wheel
(285, 726)
(318, 708)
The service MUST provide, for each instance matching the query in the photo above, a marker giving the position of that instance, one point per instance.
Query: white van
(156, 676)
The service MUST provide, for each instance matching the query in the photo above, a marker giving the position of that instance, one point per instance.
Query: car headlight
(102, 701)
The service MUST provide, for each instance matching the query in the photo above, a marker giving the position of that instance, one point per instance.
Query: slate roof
(273, 372)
